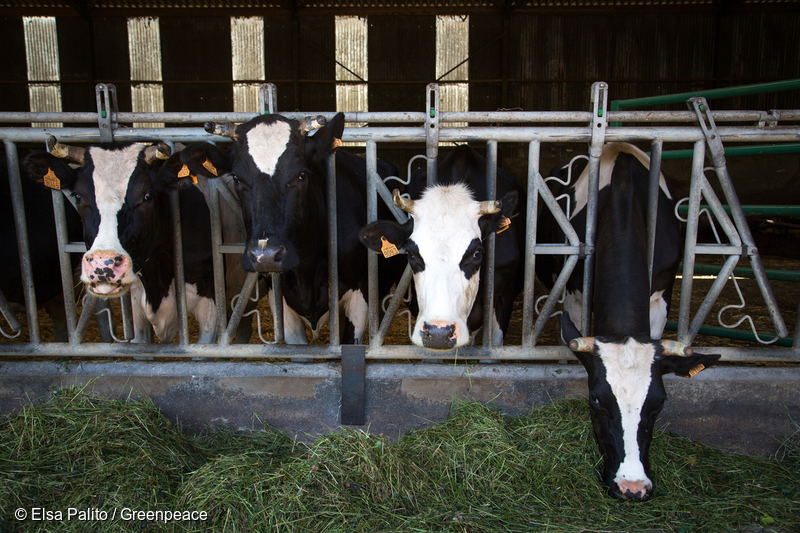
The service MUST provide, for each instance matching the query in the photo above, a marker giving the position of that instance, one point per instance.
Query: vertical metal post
(180, 284)
(372, 258)
(432, 115)
(333, 255)
(218, 260)
(83, 322)
(268, 98)
(127, 316)
(652, 203)
(598, 125)
(20, 224)
(692, 217)
(65, 262)
(531, 216)
(277, 313)
(106, 98)
(488, 274)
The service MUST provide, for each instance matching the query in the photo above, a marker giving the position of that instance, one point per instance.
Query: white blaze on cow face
(628, 372)
(107, 269)
(266, 143)
(445, 224)
(607, 162)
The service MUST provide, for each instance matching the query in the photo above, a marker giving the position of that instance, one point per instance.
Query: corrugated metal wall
(543, 62)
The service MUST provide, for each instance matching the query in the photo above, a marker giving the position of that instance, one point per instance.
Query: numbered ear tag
(51, 180)
(505, 222)
(208, 165)
(388, 249)
(694, 371)
(184, 172)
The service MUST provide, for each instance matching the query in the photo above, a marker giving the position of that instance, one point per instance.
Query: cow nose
(267, 258)
(105, 266)
(634, 490)
(439, 335)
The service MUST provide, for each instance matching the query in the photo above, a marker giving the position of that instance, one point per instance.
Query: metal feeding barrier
(697, 125)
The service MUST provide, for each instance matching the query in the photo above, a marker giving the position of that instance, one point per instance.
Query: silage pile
(477, 471)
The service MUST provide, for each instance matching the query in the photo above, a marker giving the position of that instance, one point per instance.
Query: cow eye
(148, 196)
(478, 254)
(78, 197)
(303, 176)
(594, 402)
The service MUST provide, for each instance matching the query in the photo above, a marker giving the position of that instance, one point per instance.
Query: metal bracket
(599, 117)
(700, 107)
(432, 115)
(353, 381)
(268, 98)
(107, 109)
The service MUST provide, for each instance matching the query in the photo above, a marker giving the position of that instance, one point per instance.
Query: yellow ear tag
(696, 370)
(210, 167)
(388, 249)
(337, 143)
(183, 172)
(51, 180)
(505, 222)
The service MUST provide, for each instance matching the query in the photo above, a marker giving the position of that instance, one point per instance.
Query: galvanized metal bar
(218, 263)
(236, 316)
(65, 262)
(555, 294)
(180, 282)
(599, 105)
(418, 134)
(372, 258)
(106, 98)
(278, 330)
(333, 254)
(394, 305)
(127, 316)
(432, 130)
(716, 207)
(717, 150)
(386, 195)
(712, 295)
(529, 258)
(87, 313)
(21, 226)
(695, 195)
(488, 274)
(9, 315)
(652, 204)
(268, 98)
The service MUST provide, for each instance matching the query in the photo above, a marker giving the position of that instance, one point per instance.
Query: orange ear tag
(51, 180)
(505, 222)
(184, 172)
(388, 249)
(696, 370)
(208, 165)
(337, 143)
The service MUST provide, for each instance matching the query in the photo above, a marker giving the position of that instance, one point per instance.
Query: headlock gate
(699, 125)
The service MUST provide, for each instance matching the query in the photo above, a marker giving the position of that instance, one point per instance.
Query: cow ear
(325, 140)
(48, 170)
(381, 235)
(197, 159)
(499, 222)
(687, 367)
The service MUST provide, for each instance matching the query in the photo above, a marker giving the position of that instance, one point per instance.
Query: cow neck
(156, 272)
(622, 289)
(309, 279)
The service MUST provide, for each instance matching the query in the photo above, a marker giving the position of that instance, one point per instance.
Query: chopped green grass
(478, 471)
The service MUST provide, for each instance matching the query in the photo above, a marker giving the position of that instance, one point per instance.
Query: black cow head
(278, 169)
(626, 394)
(443, 240)
(121, 198)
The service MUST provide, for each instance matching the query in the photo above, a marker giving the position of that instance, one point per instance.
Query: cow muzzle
(439, 335)
(633, 490)
(265, 257)
(106, 273)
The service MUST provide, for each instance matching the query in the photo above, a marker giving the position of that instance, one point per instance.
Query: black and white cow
(443, 239)
(279, 171)
(624, 359)
(122, 199)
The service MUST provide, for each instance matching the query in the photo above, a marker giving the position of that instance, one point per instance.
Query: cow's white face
(445, 253)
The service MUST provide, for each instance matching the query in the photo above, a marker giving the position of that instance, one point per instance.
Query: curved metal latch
(107, 109)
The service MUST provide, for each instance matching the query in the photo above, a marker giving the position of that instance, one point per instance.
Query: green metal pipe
(765, 149)
(746, 272)
(741, 90)
(773, 210)
(737, 334)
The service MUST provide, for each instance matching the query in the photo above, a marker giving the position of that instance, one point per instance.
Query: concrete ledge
(746, 410)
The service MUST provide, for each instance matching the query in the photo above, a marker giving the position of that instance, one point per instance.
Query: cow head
(443, 239)
(278, 169)
(123, 205)
(626, 394)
